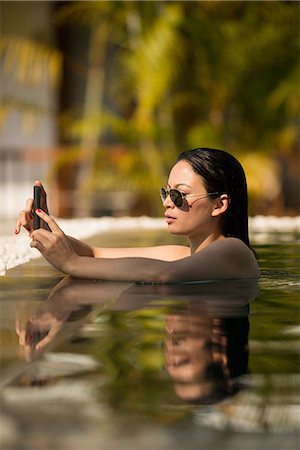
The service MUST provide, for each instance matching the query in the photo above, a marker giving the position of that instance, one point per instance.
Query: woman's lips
(169, 219)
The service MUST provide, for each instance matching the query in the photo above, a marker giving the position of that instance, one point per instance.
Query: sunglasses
(178, 197)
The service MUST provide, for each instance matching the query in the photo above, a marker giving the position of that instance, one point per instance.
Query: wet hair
(221, 172)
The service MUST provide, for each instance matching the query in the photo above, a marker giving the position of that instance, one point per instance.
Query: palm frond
(156, 61)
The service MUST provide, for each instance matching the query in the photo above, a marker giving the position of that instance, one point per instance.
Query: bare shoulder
(237, 256)
(229, 258)
(236, 246)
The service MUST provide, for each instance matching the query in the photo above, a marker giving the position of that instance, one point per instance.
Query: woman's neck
(198, 243)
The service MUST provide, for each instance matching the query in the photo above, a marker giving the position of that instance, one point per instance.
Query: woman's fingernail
(17, 231)
(38, 210)
(30, 216)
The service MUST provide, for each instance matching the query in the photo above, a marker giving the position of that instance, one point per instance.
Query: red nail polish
(17, 231)
(38, 210)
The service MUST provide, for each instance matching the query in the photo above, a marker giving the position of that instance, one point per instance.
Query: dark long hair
(222, 173)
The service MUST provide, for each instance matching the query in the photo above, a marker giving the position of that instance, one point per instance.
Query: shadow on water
(90, 364)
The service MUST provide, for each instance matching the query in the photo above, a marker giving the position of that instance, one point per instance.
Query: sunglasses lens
(176, 198)
(163, 194)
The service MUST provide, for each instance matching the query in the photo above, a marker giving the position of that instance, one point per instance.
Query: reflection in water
(206, 342)
(145, 366)
(133, 354)
(65, 310)
(206, 328)
(204, 355)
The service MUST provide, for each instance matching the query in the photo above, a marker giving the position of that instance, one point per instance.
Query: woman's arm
(226, 259)
(162, 252)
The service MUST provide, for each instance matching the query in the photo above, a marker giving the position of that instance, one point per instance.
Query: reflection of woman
(204, 355)
(206, 327)
(205, 200)
(68, 303)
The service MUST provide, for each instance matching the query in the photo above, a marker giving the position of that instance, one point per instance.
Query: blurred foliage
(188, 74)
(164, 76)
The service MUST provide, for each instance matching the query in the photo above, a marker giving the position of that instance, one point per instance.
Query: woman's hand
(26, 215)
(37, 333)
(54, 246)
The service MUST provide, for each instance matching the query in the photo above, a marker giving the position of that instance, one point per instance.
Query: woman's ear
(221, 205)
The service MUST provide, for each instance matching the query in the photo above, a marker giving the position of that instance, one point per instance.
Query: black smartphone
(36, 205)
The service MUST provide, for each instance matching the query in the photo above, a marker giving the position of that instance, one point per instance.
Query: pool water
(209, 365)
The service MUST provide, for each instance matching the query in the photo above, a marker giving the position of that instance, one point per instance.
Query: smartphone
(36, 205)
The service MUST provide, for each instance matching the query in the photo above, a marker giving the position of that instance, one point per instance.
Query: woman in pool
(205, 200)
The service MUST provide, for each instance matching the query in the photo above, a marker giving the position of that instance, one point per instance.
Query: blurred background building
(29, 101)
(98, 98)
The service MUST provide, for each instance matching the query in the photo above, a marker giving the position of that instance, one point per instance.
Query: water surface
(130, 366)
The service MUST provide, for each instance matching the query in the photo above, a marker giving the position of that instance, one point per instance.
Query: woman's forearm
(117, 269)
(81, 248)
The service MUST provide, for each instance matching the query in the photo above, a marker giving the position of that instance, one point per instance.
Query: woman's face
(195, 215)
